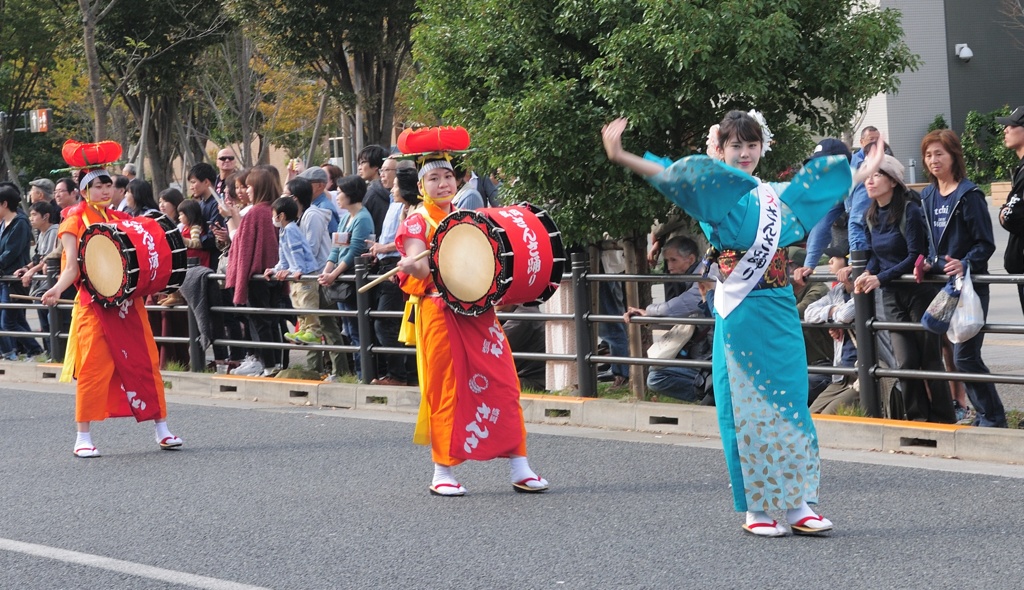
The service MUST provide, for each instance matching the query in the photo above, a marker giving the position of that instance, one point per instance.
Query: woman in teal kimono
(759, 360)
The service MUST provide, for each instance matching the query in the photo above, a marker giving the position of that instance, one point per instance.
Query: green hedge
(987, 158)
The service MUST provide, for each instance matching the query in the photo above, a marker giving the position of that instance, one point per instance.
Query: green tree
(150, 52)
(29, 35)
(356, 46)
(939, 122)
(534, 80)
(986, 156)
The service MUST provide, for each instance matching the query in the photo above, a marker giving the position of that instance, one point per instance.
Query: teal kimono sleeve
(706, 189)
(819, 185)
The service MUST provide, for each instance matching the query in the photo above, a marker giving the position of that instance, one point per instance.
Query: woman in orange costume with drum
(442, 361)
(109, 385)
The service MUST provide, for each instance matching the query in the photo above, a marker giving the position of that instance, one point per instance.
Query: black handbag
(341, 292)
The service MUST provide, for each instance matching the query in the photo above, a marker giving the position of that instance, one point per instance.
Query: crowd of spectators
(289, 244)
(283, 244)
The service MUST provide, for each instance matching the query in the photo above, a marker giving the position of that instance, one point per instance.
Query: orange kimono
(100, 393)
(436, 420)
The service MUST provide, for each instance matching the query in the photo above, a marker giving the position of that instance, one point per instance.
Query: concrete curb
(867, 434)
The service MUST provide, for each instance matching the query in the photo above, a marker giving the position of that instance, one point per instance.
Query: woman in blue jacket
(898, 234)
(962, 233)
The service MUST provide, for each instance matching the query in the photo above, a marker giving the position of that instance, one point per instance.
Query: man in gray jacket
(683, 383)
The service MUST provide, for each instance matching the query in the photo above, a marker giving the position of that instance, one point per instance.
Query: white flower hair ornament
(712, 142)
(766, 134)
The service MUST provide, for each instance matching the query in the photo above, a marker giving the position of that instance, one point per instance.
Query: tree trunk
(316, 129)
(93, 66)
(143, 141)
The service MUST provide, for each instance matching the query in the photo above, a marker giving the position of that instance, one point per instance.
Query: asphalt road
(273, 497)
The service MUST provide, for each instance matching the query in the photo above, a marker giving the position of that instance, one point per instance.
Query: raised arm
(611, 136)
(872, 162)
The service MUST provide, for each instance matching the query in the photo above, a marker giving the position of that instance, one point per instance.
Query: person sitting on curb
(682, 383)
(837, 307)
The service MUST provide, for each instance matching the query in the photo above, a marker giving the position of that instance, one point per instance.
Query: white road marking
(123, 567)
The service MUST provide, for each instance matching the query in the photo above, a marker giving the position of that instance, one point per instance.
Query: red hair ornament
(433, 139)
(88, 155)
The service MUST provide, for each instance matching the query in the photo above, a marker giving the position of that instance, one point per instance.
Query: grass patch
(610, 391)
(1015, 419)
(667, 399)
(176, 366)
(168, 385)
(851, 410)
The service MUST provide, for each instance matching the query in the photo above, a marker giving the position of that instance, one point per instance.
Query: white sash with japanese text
(749, 270)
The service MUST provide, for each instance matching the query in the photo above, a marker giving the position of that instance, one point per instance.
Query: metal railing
(580, 280)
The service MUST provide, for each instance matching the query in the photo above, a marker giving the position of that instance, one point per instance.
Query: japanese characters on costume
(111, 352)
(760, 375)
(469, 405)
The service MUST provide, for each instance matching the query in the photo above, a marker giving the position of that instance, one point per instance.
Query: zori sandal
(765, 529)
(447, 489)
(86, 452)
(811, 525)
(531, 485)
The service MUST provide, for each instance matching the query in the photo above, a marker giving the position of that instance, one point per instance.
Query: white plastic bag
(968, 318)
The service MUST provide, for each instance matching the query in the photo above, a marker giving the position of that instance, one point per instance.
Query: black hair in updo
(740, 125)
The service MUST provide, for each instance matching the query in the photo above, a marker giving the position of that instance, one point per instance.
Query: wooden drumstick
(31, 298)
(390, 273)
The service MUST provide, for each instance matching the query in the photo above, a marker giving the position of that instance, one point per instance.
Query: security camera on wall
(963, 52)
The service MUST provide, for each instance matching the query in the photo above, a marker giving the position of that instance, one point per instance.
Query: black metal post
(54, 315)
(586, 372)
(364, 325)
(864, 309)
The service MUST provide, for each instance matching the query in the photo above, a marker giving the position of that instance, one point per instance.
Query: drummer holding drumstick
(442, 361)
(108, 385)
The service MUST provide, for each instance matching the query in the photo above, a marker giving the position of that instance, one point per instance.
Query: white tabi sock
(519, 470)
(84, 446)
(762, 518)
(444, 474)
(84, 439)
(162, 431)
(758, 517)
